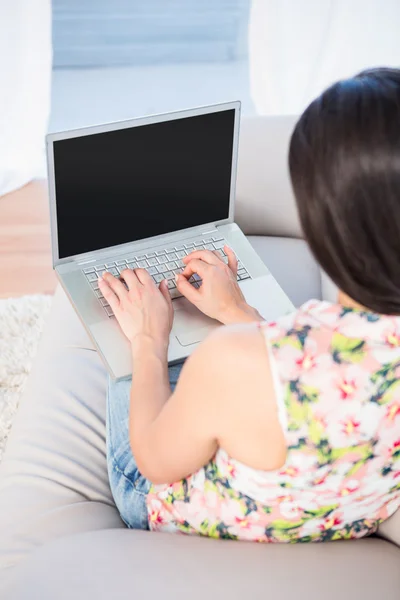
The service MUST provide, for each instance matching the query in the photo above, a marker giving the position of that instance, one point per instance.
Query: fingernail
(176, 276)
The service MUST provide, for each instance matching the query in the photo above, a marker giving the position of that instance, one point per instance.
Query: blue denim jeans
(128, 486)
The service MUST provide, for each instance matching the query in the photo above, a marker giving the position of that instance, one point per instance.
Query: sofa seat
(61, 535)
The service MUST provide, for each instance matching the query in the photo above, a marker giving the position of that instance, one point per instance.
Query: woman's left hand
(141, 310)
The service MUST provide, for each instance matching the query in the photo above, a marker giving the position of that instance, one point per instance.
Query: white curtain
(299, 47)
(25, 79)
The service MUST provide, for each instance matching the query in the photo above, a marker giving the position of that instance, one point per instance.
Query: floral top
(337, 373)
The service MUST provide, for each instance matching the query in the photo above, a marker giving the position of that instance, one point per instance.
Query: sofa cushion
(265, 203)
(292, 264)
(138, 564)
(53, 478)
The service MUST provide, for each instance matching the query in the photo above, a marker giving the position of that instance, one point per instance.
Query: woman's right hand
(219, 295)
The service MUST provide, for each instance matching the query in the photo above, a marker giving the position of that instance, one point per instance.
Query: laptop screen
(130, 184)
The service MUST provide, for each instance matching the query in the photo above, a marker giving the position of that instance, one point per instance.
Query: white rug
(21, 325)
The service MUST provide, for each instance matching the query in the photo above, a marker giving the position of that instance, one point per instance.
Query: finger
(143, 277)
(186, 289)
(232, 260)
(130, 279)
(165, 291)
(206, 255)
(196, 266)
(108, 294)
(116, 285)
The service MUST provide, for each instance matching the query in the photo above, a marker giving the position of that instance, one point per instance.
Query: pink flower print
(231, 469)
(392, 338)
(243, 523)
(285, 498)
(330, 522)
(306, 361)
(350, 426)
(347, 388)
(320, 480)
(290, 471)
(350, 488)
(393, 410)
(394, 449)
(155, 518)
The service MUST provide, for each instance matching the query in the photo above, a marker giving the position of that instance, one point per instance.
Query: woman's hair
(344, 163)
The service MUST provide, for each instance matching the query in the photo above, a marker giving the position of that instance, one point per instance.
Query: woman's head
(344, 162)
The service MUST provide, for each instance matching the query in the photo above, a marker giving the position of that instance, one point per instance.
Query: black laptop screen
(124, 185)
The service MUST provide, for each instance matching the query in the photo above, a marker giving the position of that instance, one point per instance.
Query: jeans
(128, 486)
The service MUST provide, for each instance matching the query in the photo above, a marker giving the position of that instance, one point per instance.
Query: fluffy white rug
(21, 325)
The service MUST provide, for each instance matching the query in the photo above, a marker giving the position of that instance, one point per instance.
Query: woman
(286, 431)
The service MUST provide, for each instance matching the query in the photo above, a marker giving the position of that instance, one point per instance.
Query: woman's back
(337, 374)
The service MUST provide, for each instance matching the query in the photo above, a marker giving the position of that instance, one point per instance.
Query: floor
(25, 255)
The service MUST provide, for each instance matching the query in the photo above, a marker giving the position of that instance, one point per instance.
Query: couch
(60, 533)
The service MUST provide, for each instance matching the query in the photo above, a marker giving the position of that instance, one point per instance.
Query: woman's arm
(224, 397)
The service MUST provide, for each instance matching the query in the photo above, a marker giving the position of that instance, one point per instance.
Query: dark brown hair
(344, 163)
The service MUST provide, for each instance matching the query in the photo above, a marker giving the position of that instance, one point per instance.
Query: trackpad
(191, 326)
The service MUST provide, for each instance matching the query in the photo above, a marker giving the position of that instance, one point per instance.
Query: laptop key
(178, 248)
(142, 264)
(150, 255)
(113, 271)
(162, 268)
(100, 273)
(158, 278)
(89, 270)
(175, 293)
(152, 261)
(92, 277)
(109, 265)
(217, 238)
(180, 263)
(171, 265)
(219, 244)
(181, 253)
(241, 271)
(171, 256)
(98, 294)
(169, 275)
(162, 259)
(109, 311)
(94, 285)
(160, 252)
(141, 257)
(244, 276)
(171, 284)
(209, 247)
(189, 246)
(104, 302)
(152, 271)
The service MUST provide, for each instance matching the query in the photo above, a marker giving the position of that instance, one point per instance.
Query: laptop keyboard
(161, 264)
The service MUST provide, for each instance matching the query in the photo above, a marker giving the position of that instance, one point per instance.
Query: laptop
(145, 193)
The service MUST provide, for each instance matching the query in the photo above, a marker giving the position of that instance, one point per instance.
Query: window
(126, 58)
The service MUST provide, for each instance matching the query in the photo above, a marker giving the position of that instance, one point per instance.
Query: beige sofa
(60, 533)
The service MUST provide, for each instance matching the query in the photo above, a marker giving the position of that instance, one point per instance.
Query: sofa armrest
(265, 203)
